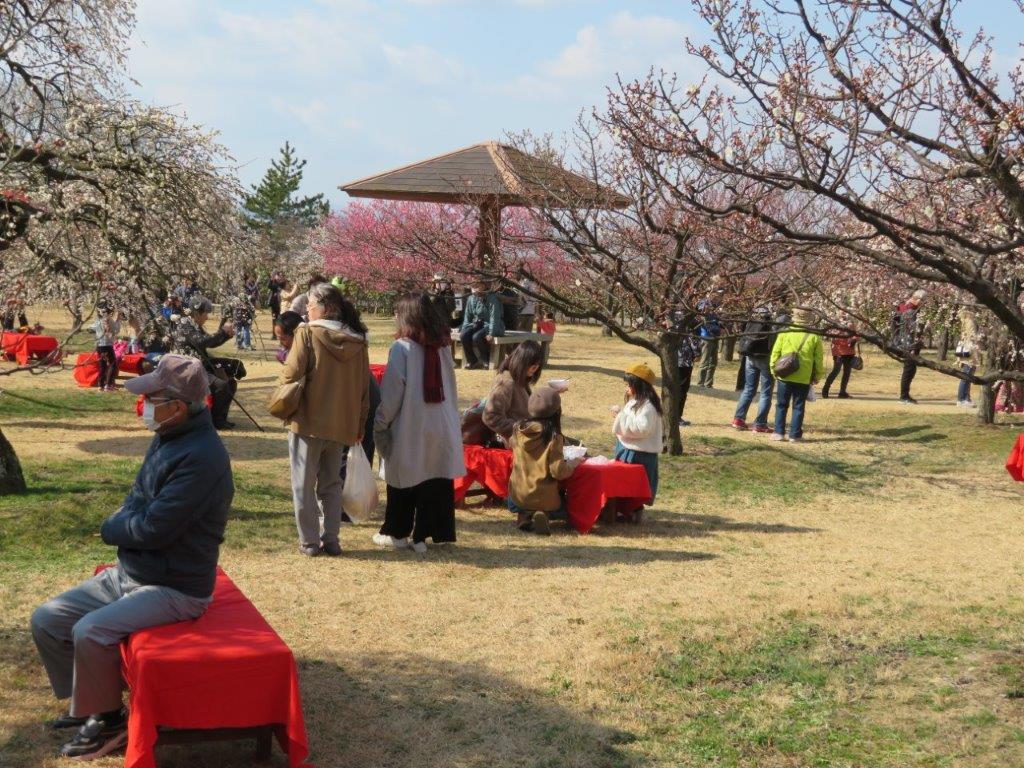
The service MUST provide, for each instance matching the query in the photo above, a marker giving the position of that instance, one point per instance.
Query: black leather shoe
(67, 721)
(331, 549)
(98, 737)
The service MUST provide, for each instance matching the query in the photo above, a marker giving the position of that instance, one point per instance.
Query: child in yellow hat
(638, 426)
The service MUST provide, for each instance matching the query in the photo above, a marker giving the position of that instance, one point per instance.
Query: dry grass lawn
(852, 601)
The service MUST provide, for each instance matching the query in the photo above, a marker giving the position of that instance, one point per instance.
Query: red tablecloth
(491, 467)
(87, 367)
(25, 346)
(226, 669)
(131, 364)
(591, 485)
(1015, 461)
(586, 492)
(377, 371)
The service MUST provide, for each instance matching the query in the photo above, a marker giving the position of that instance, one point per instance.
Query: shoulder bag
(789, 363)
(285, 400)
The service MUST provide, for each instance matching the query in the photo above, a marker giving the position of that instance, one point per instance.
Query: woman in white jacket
(638, 424)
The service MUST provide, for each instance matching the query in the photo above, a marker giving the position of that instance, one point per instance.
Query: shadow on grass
(239, 448)
(371, 710)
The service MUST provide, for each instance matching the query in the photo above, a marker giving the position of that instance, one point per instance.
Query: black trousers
(685, 377)
(222, 390)
(909, 372)
(842, 363)
(426, 510)
(108, 367)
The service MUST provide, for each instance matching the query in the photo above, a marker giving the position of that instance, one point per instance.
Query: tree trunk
(986, 404)
(11, 478)
(944, 344)
(728, 345)
(668, 352)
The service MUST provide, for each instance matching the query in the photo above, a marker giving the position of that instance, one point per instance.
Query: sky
(362, 86)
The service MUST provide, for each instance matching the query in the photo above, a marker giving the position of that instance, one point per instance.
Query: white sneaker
(389, 542)
(777, 438)
(796, 439)
(419, 547)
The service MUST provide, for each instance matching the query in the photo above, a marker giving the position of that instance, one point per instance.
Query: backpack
(789, 363)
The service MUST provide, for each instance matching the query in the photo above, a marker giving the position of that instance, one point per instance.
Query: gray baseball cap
(183, 378)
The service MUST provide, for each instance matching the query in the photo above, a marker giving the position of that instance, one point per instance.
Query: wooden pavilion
(489, 176)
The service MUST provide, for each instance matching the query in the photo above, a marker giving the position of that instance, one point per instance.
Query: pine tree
(273, 201)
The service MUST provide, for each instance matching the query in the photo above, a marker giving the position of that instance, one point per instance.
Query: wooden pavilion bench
(502, 346)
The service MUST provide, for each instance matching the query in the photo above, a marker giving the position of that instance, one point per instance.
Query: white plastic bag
(359, 496)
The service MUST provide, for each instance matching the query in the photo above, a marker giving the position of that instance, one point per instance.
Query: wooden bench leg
(264, 742)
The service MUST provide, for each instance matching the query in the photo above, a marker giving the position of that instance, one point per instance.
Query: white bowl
(573, 452)
(562, 385)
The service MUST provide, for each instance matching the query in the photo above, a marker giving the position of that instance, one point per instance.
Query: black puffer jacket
(170, 528)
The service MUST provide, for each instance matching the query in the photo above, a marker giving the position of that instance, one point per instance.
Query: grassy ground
(854, 601)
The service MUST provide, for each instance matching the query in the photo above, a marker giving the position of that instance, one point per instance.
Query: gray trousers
(78, 634)
(316, 488)
(708, 363)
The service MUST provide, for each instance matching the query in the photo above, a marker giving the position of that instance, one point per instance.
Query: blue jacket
(486, 309)
(169, 530)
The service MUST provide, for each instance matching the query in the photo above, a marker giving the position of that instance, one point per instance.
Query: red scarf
(433, 384)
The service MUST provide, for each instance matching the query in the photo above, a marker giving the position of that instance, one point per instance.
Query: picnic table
(225, 675)
(27, 346)
(586, 491)
(502, 346)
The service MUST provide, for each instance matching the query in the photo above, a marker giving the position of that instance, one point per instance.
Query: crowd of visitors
(170, 527)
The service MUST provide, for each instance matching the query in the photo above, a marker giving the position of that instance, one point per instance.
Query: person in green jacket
(806, 343)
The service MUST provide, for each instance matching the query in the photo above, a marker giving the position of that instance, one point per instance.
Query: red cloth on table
(226, 669)
(87, 369)
(587, 491)
(591, 485)
(377, 371)
(491, 467)
(131, 364)
(25, 346)
(1015, 461)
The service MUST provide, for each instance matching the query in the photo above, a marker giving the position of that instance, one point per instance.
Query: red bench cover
(226, 669)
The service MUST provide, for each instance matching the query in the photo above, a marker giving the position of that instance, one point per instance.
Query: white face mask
(148, 417)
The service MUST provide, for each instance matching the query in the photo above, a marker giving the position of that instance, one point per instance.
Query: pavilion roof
(484, 173)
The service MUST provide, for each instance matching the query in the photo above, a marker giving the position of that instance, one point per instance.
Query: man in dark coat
(168, 534)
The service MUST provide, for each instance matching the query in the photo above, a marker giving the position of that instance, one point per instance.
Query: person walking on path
(710, 333)
(330, 354)
(844, 350)
(792, 388)
(168, 534)
(907, 337)
(417, 430)
(756, 347)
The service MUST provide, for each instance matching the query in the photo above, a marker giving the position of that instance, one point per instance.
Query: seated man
(481, 323)
(167, 533)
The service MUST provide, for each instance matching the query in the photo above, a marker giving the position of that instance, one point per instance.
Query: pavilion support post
(489, 239)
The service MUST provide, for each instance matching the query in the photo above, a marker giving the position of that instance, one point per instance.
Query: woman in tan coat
(331, 353)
